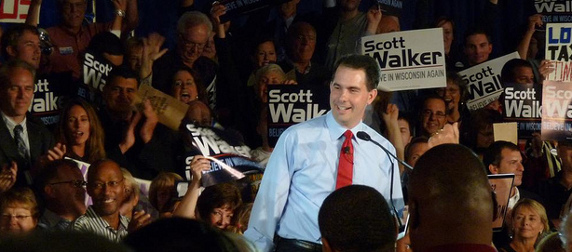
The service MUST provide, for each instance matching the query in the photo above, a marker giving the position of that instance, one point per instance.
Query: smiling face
(527, 223)
(119, 94)
(78, 126)
(192, 43)
(451, 94)
(17, 219)
(184, 87)
(73, 13)
(220, 217)
(477, 49)
(433, 115)
(106, 188)
(349, 96)
(17, 94)
(68, 195)
(265, 54)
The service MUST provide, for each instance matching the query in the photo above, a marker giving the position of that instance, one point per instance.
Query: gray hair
(192, 19)
(267, 69)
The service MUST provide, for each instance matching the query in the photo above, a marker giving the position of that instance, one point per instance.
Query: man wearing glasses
(105, 185)
(63, 190)
(193, 31)
(433, 115)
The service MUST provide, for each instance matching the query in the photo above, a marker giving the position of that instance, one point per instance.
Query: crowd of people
(376, 164)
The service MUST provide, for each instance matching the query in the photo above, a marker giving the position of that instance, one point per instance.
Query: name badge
(66, 50)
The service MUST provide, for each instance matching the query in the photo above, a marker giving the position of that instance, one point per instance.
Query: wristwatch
(120, 13)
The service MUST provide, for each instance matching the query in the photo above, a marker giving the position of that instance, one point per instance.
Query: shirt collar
(336, 130)
(10, 124)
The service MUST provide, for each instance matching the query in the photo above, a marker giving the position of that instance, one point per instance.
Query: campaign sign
(95, 71)
(483, 81)
(292, 104)
(408, 59)
(14, 11)
(556, 110)
(230, 158)
(242, 7)
(501, 185)
(554, 11)
(169, 110)
(559, 49)
(522, 104)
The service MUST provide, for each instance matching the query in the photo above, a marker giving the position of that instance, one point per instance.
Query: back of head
(508, 70)
(106, 42)
(450, 199)
(357, 218)
(61, 241)
(566, 232)
(179, 234)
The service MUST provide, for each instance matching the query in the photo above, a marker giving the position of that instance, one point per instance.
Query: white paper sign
(409, 59)
(558, 49)
(483, 81)
(14, 11)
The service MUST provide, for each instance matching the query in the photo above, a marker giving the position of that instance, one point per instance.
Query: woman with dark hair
(186, 86)
(80, 131)
(455, 95)
(215, 205)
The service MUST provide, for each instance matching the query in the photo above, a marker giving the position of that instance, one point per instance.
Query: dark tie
(346, 163)
(22, 150)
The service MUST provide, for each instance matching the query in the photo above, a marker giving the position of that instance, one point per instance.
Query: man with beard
(105, 185)
(61, 185)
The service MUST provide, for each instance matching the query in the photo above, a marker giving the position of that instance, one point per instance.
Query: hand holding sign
(546, 68)
(448, 134)
(198, 165)
(534, 21)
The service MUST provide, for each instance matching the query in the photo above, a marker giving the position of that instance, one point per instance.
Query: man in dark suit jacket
(26, 145)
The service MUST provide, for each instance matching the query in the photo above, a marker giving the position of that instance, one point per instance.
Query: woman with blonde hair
(162, 192)
(529, 223)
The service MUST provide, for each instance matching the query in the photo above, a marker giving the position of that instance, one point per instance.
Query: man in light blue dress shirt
(303, 168)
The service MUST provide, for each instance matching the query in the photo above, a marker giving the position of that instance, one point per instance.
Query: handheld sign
(501, 185)
(409, 59)
(558, 49)
(169, 110)
(292, 104)
(554, 11)
(556, 111)
(230, 158)
(483, 81)
(522, 104)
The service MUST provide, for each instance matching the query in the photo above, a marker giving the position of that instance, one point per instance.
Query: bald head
(450, 199)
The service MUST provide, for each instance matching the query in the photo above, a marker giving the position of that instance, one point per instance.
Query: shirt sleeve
(272, 195)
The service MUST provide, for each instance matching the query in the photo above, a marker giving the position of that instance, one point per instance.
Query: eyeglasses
(75, 183)
(112, 184)
(18, 217)
(190, 44)
(428, 113)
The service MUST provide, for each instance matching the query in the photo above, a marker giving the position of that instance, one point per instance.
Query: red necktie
(346, 163)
